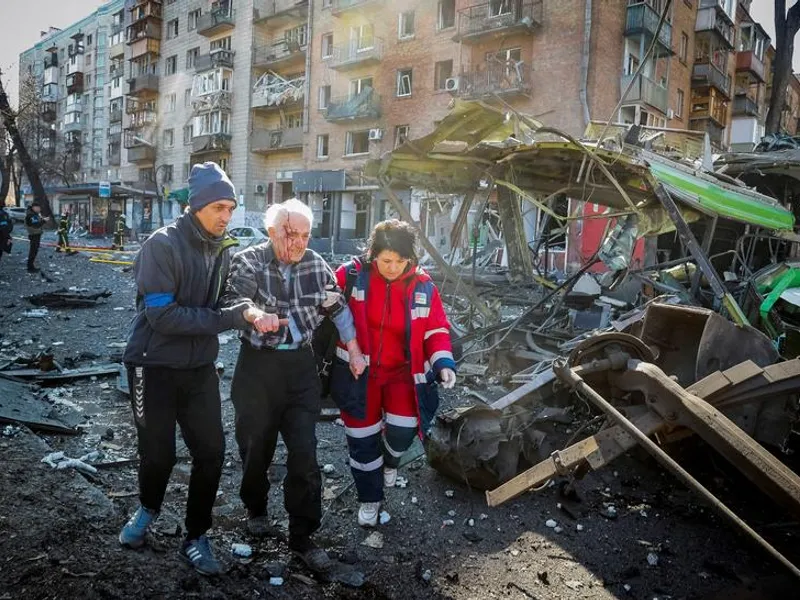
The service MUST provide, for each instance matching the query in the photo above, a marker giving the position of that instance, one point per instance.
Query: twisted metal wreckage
(669, 365)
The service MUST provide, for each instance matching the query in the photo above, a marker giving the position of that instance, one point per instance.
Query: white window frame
(402, 25)
(324, 96)
(404, 83)
(350, 142)
(401, 133)
(323, 139)
(327, 47)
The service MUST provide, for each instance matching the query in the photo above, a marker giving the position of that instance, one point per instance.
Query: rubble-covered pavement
(630, 530)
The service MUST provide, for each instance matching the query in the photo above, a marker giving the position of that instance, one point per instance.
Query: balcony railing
(340, 7)
(748, 62)
(74, 126)
(279, 53)
(272, 91)
(143, 30)
(495, 79)
(214, 60)
(744, 106)
(715, 20)
(218, 20)
(357, 53)
(280, 10)
(366, 105)
(645, 90)
(643, 19)
(115, 115)
(498, 17)
(74, 83)
(709, 74)
(142, 84)
(141, 153)
(213, 142)
(288, 138)
(716, 133)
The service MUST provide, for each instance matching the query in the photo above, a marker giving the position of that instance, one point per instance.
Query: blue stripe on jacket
(158, 300)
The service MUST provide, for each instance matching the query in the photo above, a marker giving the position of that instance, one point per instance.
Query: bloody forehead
(297, 223)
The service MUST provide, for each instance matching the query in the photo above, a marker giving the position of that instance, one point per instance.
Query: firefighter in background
(119, 233)
(63, 233)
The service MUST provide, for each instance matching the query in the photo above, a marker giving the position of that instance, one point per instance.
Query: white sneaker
(368, 514)
(389, 477)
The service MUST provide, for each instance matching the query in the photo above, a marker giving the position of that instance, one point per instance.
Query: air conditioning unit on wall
(670, 113)
(260, 189)
(451, 84)
(375, 135)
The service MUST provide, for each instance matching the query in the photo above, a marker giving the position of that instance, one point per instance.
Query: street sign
(105, 189)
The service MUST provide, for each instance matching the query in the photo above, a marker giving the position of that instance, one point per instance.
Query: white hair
(282, 211)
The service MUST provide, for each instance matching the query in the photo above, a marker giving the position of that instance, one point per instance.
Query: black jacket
(34, 222)
(178, 317)
(6, 223)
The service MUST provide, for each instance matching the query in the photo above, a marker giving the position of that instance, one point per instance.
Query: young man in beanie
(180, 273)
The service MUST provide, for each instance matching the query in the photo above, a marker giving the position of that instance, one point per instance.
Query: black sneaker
(198, 554)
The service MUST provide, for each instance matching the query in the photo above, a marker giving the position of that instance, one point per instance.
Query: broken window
(447, 14)
(679, 106)
(632, 64)
(327, 45)
(405, 27)
(297, 36)
(499, 7)
(191, 57)
(357, 86)
(221, 44)
(401, 134)
(324, 96)
(172, 65)
(404, 82)
(194, 16)
(188, 134)
(172, 29)
(362, 37)
(443, 71)
(357, 142)
(169, 138)
(322, 146)
(683, 49)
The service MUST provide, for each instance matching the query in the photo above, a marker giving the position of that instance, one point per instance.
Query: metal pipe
(587, 46)
(565, 373)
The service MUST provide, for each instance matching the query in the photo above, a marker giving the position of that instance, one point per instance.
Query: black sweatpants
(4, 244)
(33, 249)
(279, 391)
(162, 397)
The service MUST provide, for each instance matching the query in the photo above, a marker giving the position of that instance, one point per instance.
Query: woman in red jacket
(403, 332)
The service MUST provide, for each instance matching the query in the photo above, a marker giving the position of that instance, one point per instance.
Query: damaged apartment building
(294, 97)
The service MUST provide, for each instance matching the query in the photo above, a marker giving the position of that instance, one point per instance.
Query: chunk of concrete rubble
(328, 469)
(276, 581)
(384, 517)
(241, 550)
(449, 493)
(551, 524)
(374, 540)
(401, 482)
(652, 559)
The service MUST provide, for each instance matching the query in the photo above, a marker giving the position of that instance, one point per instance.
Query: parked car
(248, 236)
(17, 213)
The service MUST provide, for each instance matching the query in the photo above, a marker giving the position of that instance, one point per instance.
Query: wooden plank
(598, 450)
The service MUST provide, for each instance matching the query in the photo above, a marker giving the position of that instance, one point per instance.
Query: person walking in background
(119, 233)
(34, 222)
(404, 334)
(180, 273)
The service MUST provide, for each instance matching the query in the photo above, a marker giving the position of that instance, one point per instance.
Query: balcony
(117, 51)
(272, 92)
(218, 20)
(748, 62)
(144, 84)
(744, 106)
(74, 126)
(709, 74)
(214, 142)
(642, 19)
(48, 111)
(50, 60)
(645, 90)
(280, 13)
(115, 115)
(340, 7)
(141, 153)
(50, 76)
(716, 132)
(266, 141)
(366, 105)
(143, 30)
(358, 53)
(142, 10)
(283, 54)
(214, 60)
(145, 47)
(493, 80)
(712, 18)
(75, 83)
(497, 18)
(114, 154)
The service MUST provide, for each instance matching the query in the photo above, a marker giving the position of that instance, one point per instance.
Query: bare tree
(787, 24)
(9, 117)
